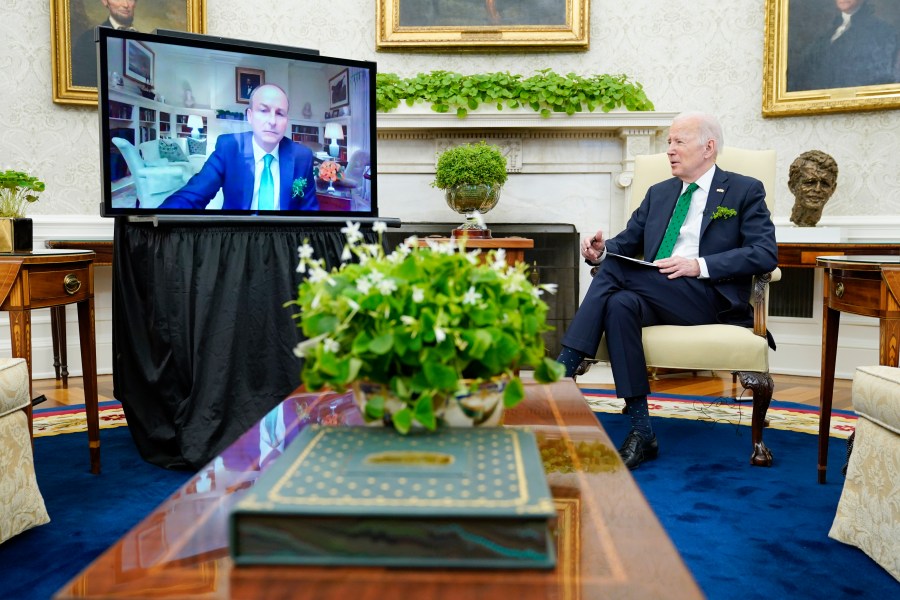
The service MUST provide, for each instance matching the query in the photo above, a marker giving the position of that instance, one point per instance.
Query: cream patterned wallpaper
(689, 54)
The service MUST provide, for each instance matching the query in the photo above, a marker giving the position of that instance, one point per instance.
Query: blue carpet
(743, 531)
(752, 532)
(87, 512)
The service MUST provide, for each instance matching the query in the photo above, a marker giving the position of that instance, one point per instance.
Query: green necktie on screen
(681, 211)
(266, 199)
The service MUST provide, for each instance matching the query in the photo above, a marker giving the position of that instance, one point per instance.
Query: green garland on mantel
(547, 92)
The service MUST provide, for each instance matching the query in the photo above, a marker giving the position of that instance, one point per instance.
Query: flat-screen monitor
(199, 126)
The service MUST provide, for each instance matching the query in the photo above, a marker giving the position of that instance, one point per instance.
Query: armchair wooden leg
(762, 386)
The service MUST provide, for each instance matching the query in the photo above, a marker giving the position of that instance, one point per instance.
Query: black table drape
(202, 339)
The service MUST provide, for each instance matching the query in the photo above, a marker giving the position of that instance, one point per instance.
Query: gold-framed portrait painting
(827, 56)
(72, 47)
(473, 25)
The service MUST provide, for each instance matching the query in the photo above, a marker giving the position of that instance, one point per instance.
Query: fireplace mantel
(421, 117)
(563, 169)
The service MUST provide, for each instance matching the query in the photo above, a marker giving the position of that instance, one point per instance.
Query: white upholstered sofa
(868, 514)
(21, 503)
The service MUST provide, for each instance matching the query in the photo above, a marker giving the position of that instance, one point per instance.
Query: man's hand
(592, 247)
(676, 266)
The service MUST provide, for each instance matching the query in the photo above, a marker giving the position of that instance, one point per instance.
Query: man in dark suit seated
(708, 232)
(255, 170)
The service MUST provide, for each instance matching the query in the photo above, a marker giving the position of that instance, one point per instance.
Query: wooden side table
(103, 253)
(47, 279)
(859, 285)
(515, 247)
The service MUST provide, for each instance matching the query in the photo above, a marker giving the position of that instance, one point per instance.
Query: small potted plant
(423, 335)
(471, 176)
(17, 190)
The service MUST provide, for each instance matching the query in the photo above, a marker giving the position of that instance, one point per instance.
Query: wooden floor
(788, 388)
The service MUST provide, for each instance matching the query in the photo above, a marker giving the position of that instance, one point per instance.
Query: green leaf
(513, 393)
(548, 370)
(375, 407)
(440, 376)
(382, 344)
(423, 411)
(402, 420)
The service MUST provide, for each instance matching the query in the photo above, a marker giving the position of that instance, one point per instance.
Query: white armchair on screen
(741, 350)
(153, 184)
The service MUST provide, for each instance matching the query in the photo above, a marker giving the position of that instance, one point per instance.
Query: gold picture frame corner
(778, 102)
(572, 36)
(63, 89)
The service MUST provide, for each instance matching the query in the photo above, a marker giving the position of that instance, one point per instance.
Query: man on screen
(260, 170)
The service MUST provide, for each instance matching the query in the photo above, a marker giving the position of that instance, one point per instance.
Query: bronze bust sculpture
(812, 178)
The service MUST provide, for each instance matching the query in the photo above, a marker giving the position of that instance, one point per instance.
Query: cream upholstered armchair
(21, 504)
(153, 184)
(741, 350)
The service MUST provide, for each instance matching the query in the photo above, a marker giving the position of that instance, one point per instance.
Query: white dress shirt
(688, 243)
(258, 154)
(844, 26)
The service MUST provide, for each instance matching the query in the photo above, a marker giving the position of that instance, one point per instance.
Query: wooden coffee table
(609, 542)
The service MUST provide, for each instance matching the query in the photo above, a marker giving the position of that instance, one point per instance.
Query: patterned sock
(640, 416)
(570, 359)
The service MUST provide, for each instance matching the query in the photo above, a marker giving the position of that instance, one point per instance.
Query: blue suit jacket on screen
(735, 248)
(231, 168)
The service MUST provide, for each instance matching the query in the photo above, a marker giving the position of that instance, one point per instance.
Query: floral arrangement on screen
(17, 189)
(427, 322)
(329, 171)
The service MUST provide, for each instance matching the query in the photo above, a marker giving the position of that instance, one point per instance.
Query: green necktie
(681, 211)
(266, 199)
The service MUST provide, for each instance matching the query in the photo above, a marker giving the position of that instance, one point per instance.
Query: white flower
(379, 226)
(472, 256)
(550, 287)
(317, 274)
(439, 334)
(351, 231)
(363, 285)
(514, 283)
(376, 276)
(331, 345)
(305, 251)
(407, 320)
(387, 287)
(346, 254)
(301, 267)
(418, 294)
(471, 296)
(499, 260)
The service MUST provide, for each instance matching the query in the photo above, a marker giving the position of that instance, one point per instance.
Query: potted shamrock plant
(17, 190)
(424, 335)
(471, 176)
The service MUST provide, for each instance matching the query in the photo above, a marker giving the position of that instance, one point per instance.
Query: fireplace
(554, 259)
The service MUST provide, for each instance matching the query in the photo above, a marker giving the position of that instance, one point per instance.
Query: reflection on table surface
(608, 542)
(877, 259)
(202, 505)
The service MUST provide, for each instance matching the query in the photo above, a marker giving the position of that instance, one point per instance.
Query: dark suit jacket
(84, 58)
(735, 248)
(231, 168)
(865, 54)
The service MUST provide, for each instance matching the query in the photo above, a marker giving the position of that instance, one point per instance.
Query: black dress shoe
(635, 450)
